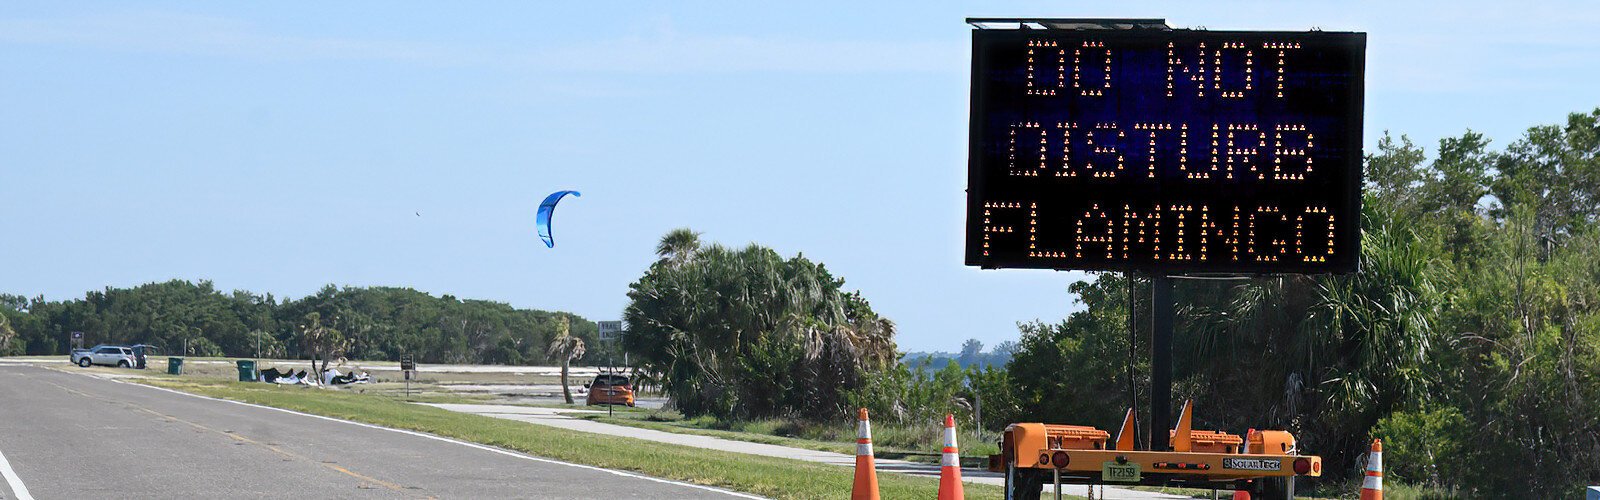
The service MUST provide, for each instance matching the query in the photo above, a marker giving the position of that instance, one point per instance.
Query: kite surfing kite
(546, 210)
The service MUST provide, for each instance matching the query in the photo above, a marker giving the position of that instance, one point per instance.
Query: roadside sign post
(409, 367)
(1106, 171)
(608, 330)
(611, 331)
(1160, 361)
(77, 340)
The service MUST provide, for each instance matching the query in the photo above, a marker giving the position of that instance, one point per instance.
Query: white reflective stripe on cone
(1375, 461)
(1374, 483)
(950, 437)
(949, 460)
(864, 431)
(863, 449)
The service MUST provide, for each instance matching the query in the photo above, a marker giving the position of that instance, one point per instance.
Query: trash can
(175, 366)
(247, 370)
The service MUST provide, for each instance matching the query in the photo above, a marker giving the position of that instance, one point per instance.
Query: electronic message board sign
(1165, 151)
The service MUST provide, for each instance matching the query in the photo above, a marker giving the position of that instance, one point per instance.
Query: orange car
(610, 390)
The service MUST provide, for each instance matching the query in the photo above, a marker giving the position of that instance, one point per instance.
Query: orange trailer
(1033, 455)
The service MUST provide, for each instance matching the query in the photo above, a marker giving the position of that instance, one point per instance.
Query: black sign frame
(1347, 234)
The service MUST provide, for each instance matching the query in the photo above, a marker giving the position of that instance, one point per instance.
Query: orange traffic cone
(866, 486)
(1372, 487)
(950, 464)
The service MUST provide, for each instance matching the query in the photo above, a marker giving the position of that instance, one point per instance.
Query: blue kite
(546, 210)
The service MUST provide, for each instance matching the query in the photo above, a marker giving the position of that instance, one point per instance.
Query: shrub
(1425, 447)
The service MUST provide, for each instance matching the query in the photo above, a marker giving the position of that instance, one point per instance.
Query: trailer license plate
(1120, 473)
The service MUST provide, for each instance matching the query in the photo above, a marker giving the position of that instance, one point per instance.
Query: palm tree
(321, 342)
(678, 246)
(716, 326)
(565, 347)
(1343, 350)
(6, 333)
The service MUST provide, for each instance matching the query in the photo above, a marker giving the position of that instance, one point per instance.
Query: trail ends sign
(1165, 150)
(609, 330)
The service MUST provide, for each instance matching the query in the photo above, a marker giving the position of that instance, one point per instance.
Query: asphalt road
(70, 435)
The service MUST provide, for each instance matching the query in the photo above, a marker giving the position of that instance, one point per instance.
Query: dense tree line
(373, 323)
(1469, 340)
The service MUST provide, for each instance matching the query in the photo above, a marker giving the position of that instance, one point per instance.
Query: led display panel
(1165, 151)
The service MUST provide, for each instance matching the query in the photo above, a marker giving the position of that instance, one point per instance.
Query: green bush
(747, 334)
(1425, 447)
(204, 347)
(914, 395)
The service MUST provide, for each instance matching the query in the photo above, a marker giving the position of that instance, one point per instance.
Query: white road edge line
(11, 478)
(24, 494)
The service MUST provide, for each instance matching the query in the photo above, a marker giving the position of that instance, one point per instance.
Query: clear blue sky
(281, 146)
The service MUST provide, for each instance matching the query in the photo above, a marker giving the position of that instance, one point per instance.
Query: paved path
(66, 435)
(554, 417)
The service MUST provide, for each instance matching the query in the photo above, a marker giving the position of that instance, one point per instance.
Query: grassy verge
(387, 371)
(890, 441)
(1398, 491)
(420, 393)
(774, 477)
(645, 423)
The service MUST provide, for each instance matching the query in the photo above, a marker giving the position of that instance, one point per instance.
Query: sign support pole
(408, 367)
(1160, 361)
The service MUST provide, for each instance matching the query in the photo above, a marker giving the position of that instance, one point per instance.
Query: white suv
(108, 355)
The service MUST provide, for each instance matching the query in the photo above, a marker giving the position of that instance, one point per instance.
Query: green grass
(644, 423)
(419, 393)
(889, 441)
(1397, 491)
(767, 476)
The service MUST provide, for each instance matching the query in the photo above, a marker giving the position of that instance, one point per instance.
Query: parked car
(610, 389)
(108, 355)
